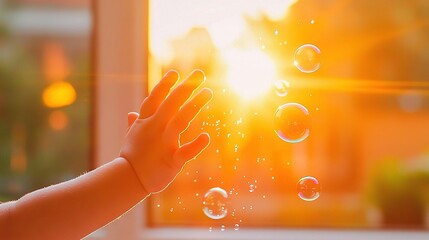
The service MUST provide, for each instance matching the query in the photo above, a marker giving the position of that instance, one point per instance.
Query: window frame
(117, 57)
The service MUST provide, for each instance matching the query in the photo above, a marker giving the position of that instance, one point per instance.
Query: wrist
(134, 176)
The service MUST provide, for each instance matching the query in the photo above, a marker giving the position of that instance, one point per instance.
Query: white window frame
(121, 67)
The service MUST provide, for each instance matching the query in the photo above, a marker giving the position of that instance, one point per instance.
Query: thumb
(191, 149)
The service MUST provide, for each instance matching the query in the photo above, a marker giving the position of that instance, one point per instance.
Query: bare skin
(149, 160)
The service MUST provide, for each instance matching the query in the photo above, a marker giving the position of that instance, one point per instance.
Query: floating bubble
(252, 188)
(308, 188)
(214, 203)
(282, 88)
(292, 122)
(307, 58)
(236, 227)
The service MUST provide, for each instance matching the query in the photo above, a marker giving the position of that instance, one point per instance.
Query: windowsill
(276, 234)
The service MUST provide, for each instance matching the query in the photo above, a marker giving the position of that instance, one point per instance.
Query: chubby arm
(73, 209)
(150, 159)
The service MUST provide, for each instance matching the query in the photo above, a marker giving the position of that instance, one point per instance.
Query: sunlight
(250, 73)
(224, 19)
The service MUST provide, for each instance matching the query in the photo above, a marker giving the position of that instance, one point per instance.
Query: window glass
(45, 93)
(333, 90)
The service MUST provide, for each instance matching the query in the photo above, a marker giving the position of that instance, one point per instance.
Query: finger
(158, 94)
(191, 149)
(132, 116)
(179, 95)
(188, 112)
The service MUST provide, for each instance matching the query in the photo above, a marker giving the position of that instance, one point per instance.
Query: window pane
(45, 94)
(367, 97)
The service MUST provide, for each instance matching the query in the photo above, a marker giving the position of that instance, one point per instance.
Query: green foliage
(400, 194)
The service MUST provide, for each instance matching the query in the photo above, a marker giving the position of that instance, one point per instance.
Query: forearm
(73, 209)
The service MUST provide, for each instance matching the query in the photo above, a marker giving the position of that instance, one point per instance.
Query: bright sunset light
(249, 73)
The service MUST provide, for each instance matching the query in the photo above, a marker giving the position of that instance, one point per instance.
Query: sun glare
(250, 73)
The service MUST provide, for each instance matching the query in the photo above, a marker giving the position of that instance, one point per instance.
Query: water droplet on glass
(292, 122)
(308, 188)
(214, 203)
(307, 58)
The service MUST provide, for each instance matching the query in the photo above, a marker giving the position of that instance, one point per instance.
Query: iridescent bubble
(236, 227)
(307, 58)
(215, 203)
(282, 88)
(308, 188)
(252, 188)
(292, 122)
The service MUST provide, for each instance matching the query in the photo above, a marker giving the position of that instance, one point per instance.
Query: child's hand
(152, 143)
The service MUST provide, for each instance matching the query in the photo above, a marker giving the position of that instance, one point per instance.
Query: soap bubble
(214, 203)
(307, 58)
(292, 122)
(281, 87)
(308, 188)
(236, 227)
(252, 188)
